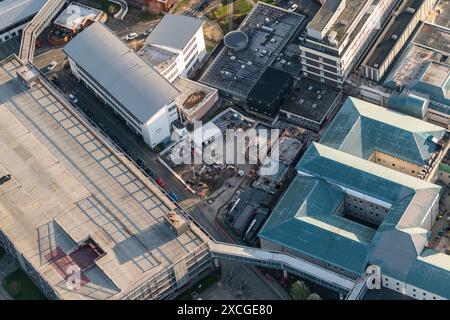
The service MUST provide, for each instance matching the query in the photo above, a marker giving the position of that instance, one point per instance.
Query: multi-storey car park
(359, 200)
(74, 200)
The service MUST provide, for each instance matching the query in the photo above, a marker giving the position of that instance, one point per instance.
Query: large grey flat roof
(434, 37)
(310, 100)
(120, 71)
(325, 13)
(174, 31)
(67, 185)
(236, 72)
(12, 11)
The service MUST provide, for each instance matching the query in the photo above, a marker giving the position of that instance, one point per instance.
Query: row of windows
(188, 46)
(397, 286)
(190, 55)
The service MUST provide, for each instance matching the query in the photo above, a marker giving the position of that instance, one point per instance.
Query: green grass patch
(201, 285)
(180, 5)
(109, 7)
(20, 287)
(209, 46)
(240, 9)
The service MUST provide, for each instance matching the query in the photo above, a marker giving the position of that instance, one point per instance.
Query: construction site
(209, 144)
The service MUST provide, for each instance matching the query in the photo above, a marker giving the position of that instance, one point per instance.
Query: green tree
(314, 296)
(299, 290)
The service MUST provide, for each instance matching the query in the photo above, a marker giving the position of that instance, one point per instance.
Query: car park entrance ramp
(36, 26)
(291, 264)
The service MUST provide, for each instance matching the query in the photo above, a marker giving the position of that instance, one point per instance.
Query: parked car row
(143, 166)
(134, 35)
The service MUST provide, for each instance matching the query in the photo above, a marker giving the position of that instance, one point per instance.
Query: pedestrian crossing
(191, 12)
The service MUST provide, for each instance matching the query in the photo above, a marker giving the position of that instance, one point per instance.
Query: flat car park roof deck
(68, 186)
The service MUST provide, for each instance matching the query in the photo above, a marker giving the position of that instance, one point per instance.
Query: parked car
(173, 196)
(5, 178)
(161, 182)
(73, 98)
(52, 65)
(293, 7)
(141, 163)
(150, 173)
(147, 32)
(55, 81)
(131, 36)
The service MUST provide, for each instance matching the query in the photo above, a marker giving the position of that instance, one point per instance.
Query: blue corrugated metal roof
(410, 104)
(360, 128)
(430, 277)
(304, 221)
(346, 174)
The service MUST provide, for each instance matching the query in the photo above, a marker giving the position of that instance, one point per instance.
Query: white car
(147, 32)
(73, 98)
(52, 65)
(131, 36)
(293, 7)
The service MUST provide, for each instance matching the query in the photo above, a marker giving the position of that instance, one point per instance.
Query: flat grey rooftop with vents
(174, 31)
(341, 21)
(12, 11)
(325, 13)
(269, 29)
(434, 37)
(310, 100)
(120, 71)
